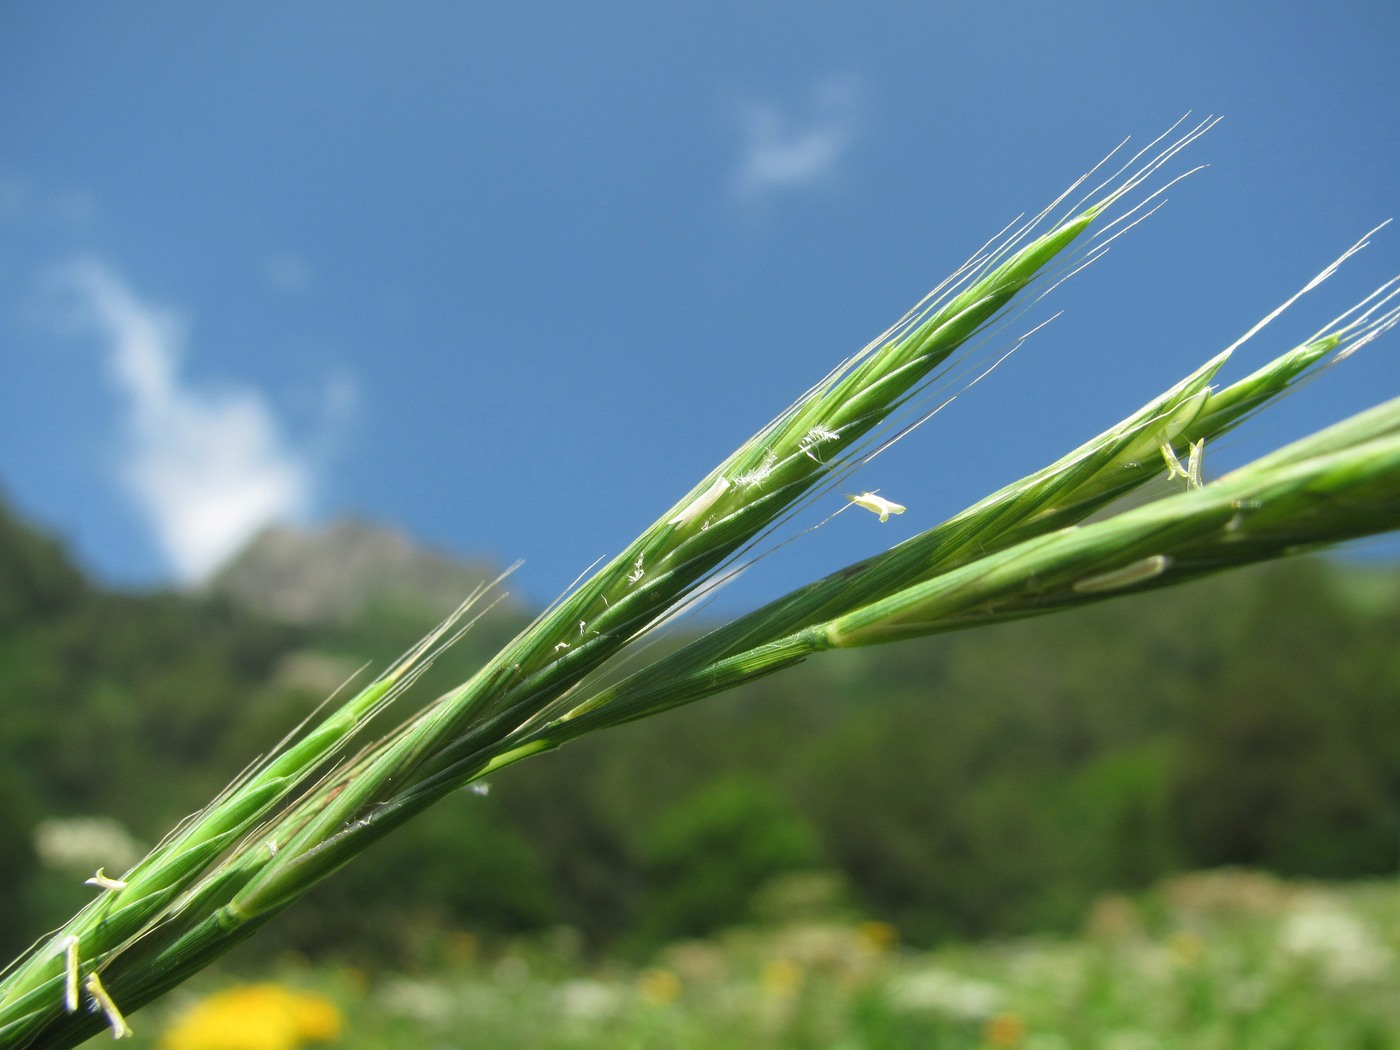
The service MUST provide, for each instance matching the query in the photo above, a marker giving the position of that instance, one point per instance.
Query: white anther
(637, 571)
(1138, 572)
(877, 505)
(695, 509)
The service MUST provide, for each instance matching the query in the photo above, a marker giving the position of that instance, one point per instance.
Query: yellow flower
(1004, 1030)
(318, 1021)
(659, 987)
(255, 1017)
(1186, 948)
(461, 948)
(781, 978)
(877, 937)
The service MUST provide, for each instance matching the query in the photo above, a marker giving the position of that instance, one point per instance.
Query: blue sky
(512, 277)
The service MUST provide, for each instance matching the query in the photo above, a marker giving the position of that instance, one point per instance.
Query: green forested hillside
(980, 784)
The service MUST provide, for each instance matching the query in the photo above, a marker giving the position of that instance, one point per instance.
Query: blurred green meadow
(1225, 959)
(1164, 822)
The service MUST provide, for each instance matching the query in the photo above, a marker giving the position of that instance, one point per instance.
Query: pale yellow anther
(120, 1029)
(70, 984)
(1195, 464)
(877, 505)
(104, 882)
(1191, 471)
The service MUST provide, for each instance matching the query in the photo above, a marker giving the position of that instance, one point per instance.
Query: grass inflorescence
(321, 798)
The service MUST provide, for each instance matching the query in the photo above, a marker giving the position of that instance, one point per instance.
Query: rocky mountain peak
(331, 574)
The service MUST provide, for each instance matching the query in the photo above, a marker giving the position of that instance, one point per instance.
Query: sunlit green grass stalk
(295, 817)
(1019, 552)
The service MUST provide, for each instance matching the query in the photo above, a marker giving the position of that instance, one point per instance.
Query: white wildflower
(944, 992)
(585, 1001)
(1343, 948)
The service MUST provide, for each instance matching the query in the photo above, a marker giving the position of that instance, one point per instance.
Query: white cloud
(782, 153)
(208, 468)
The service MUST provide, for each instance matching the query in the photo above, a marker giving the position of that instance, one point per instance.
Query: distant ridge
(334, 573)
